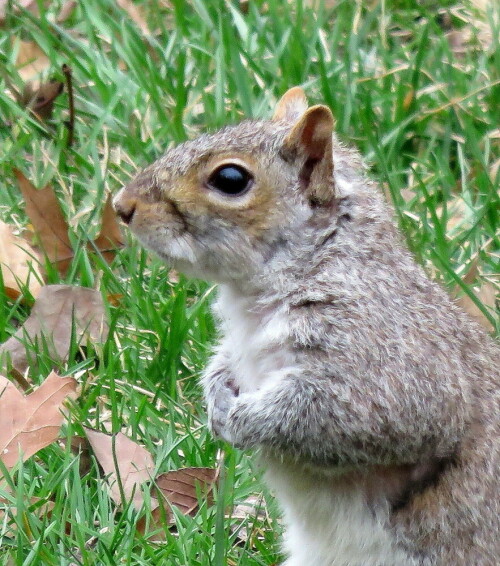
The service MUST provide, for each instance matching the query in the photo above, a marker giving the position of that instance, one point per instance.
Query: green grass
(425, 117)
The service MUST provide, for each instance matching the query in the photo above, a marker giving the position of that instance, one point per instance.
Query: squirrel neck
(343, 236)
(288, 264)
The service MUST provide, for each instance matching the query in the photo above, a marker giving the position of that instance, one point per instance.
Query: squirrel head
(224, 204)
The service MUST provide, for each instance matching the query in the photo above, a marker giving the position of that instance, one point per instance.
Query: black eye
(230, 179)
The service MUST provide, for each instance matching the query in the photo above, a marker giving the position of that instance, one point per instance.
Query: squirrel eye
(230, 179)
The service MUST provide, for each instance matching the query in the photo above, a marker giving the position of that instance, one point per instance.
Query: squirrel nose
(124, 207)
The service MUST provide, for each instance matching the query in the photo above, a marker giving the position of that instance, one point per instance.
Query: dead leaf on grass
(184, 487)
(80, 446)
(135, 15)
(484, 290)
(125, 461)
(248, 512)
(51, 227)
(29, 423)
(38, 93)
(40, 97)
(18, 263)
(31, 5)
(48, 221)
(58, 309)
(36, 506)
(135, 465)
(66, 11)
(154, 525)
(487, 294)
(31, 60)
(110, 237)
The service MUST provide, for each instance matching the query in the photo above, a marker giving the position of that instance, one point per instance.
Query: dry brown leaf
(31, 5)
(29, 423)
(135, 15)
(40, 97)
(114, 299)
(485, 291)
(487, 294)
(249, 511)
(182, 488)
(48, 221)
(110, 237)
(135, 465)
(31, 60)
(458, 214)
(51, 227)
(80, 446)
(38, 94)
(51, 321)
(408, 99)
(185, 486)
(67, 9)
(18, 263)
(39, 507)
(154, 525)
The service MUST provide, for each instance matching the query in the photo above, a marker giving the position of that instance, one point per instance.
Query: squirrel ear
(311, 141)
(291, 105)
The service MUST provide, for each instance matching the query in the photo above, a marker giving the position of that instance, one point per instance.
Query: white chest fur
(254, 341)
(329, 522)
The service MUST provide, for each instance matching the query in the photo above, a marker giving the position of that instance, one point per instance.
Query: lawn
(415, 86)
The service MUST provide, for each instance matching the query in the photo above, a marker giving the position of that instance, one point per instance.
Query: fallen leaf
(36, 506)
(487, 294)
(80, 446)
(135, 465)
(67, 9)
(18, 263)
(31, 5)
(114, 299)
(184, 487)
(58, 309)
(248, 512)
(23, 381)
(154, 525)
(110, 237)
(40, 97)
(29, 423)
(31, 60)
(51, 228)
(135, 15)
(48, 221)
(485, 291)
(38, 94)
(408, 99)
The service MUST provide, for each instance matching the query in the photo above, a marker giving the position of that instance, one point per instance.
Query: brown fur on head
(175, 208)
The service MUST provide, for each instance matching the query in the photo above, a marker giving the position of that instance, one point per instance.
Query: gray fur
(372, 367)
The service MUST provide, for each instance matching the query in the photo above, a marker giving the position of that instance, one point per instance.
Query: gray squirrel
(371, 400)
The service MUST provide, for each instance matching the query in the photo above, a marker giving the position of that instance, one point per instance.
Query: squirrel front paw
(223, 400)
